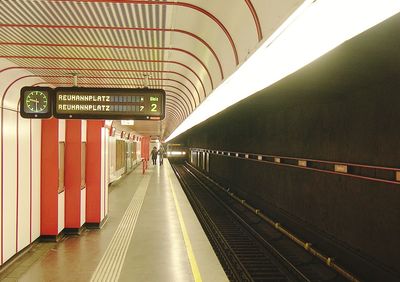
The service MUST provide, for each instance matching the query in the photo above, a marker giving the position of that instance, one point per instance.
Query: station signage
(93, 103)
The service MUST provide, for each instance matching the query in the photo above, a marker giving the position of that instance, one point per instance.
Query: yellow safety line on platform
(189, 250)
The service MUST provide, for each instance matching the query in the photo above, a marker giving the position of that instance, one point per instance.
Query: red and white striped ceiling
(187, 48)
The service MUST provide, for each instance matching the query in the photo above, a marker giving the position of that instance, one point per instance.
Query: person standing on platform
(161, 154)
(154, 155)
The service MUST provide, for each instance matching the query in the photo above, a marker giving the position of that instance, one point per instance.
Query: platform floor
(151, 234)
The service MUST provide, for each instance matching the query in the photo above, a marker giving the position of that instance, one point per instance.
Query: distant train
(177, 152)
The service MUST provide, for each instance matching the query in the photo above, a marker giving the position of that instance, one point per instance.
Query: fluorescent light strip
(314, 29)
(175, 153)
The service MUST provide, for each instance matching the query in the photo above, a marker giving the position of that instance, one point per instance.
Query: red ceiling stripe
(109, 46)
(177, 109)
(111, 60)
(173, 116)
(120, 70)
(189, 105)
(106, 84)
(190, 108)
(176, 115)
(182, 113)
(255, 18)
(125, 28)
(183, 106)
(114, 70)
(180, 4)
(179, 113)
(178, 99)
(171, 94)
(188, 101)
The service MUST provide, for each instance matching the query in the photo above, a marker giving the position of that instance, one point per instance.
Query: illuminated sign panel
(35, 102)
(109, 103)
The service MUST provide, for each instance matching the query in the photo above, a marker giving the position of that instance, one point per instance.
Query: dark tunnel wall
(344, 107)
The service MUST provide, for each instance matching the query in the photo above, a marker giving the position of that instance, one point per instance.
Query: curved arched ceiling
(187, 47)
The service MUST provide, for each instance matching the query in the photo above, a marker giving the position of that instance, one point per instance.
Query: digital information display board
(109, 103)
(36, 102)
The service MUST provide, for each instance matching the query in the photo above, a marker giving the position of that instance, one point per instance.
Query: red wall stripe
(145, 147)
(73, 174)
(49, 178)
(93, 171)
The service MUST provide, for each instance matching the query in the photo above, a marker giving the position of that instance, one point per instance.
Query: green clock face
(37, 101)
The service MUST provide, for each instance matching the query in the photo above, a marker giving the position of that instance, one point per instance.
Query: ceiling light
(314, 29)
(127, 122)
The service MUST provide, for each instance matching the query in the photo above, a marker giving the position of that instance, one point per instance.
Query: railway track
(248, 248)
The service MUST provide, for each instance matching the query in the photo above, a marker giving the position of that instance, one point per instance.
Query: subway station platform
(151, 234)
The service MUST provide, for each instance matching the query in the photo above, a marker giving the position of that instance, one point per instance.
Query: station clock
(36, 102)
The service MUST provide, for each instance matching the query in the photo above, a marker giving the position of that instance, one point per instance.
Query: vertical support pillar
(73, 170)
(83, 170)
(145, 148)
(49, 180)
(96, 174)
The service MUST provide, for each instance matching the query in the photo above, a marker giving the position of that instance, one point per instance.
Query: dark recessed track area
(248, 247)
(343, 108)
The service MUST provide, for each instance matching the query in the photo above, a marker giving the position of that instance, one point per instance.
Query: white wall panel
(36, 162)
(24, 183)
(139, 150)
(13, 93)
(9, 76)
(1, 199)
(61, 130)
(84, 130)
(112, 141)
(9, 183)
(83, 206)
(61, 211)
(21, 181)
(61, 196)
(104, 164)
(105, 139)
(107, 180)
